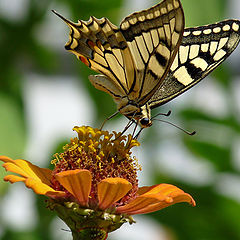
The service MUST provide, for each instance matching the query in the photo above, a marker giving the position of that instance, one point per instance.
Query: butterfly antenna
(162, 114)
(108, 118)
(172, 124)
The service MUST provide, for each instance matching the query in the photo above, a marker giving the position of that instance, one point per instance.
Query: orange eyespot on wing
(84, 60)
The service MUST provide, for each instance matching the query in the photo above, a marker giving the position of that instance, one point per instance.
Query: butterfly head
(144, 117)
(145, 122)
(141, 114)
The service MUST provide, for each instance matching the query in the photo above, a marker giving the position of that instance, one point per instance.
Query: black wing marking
(202, 50)
(101, 46)
(153, 36)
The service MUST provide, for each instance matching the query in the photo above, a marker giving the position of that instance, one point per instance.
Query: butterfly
(150, 59)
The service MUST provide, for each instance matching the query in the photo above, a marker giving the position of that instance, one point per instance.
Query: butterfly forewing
(101, 46)
(153, 36)
(202, 50)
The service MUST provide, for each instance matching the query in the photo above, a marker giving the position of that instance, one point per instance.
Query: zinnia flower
(94, 186)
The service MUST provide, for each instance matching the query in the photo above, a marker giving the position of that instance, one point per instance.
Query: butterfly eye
(145, 122)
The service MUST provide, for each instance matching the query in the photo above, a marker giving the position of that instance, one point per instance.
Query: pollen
(104, 154)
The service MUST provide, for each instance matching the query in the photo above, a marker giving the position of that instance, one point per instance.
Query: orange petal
(34, 177)
(155, 198)
(77, 182)
(13, 178)
(27, 169)
(110, 190)
(43, 189)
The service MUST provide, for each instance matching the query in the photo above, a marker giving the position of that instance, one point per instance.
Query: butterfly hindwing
(202, 50)
(153, 36)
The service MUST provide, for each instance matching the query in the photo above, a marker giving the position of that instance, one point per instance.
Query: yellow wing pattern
(153, 36)
(202, 50)
(101, 46)
(134, 59)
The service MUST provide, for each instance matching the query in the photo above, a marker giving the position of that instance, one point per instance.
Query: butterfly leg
(137, 135)
(135, 128)
(108, 118)
(129, 124)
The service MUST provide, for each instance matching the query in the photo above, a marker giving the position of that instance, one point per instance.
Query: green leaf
(3, 185)
(190, 115)
(85, 8)
(20, 235)
(203, 12)
(104, 103)
(12, 128)
(220, 156)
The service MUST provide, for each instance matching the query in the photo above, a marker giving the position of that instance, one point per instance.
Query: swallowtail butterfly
(150, 59)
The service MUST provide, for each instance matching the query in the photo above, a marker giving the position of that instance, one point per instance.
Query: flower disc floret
(104, 154)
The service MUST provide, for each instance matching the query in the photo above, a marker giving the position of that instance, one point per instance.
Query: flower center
(104, 154)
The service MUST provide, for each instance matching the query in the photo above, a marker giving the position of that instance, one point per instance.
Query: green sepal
(86, 223)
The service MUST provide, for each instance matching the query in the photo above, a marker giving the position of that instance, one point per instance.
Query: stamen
(102, 153)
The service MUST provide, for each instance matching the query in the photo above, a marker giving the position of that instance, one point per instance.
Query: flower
(94, 186)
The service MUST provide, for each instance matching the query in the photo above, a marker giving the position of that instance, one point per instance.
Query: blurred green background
(44, 92)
